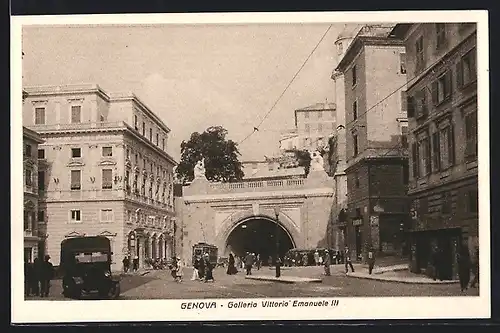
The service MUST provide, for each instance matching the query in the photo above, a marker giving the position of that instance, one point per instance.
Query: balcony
(30, 233)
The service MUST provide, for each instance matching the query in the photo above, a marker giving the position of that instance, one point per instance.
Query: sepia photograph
(257, 166)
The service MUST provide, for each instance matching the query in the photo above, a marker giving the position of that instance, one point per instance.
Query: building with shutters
(314, 124)
(376, 164)
(33, 231)
(442, 112)
(103, 170)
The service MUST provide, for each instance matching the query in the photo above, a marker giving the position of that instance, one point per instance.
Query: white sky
(194, 77)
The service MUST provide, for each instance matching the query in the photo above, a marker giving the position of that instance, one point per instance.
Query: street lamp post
(278, 268)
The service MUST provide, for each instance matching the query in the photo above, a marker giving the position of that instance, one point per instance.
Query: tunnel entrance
(259, 235)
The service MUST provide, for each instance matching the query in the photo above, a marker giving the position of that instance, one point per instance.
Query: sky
(194, 76)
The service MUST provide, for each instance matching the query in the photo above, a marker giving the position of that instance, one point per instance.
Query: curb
(402, 281)
(281, 280)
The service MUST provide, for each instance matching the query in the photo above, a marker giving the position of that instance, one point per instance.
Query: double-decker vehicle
(86, 267)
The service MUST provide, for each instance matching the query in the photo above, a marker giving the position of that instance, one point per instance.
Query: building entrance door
(28, 254)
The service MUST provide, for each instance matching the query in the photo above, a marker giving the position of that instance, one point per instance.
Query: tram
(200, 249)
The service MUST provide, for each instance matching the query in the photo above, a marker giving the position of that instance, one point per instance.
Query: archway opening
(260, 236)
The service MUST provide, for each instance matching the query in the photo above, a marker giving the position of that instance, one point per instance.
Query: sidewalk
(396, 273)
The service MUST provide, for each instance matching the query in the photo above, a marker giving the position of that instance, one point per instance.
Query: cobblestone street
(160, 285)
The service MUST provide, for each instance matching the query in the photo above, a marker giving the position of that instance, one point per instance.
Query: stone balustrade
(78, 126)
(258, 186)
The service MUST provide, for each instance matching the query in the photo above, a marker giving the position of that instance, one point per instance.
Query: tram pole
(278, 263)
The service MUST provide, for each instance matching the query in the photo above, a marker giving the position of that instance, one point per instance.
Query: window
(163, 144)
(440, 35)
(415, 160)
(41, 180)
(75, 216)
(136, 180)
(436, 151)
(136, 123)
(41, 154)
(402, 63)
(417, 105)
(358, 212)
(447, 146)
(354, 76)
(27, 150)
(28, 177)
(107, 215)
(41, 216)
(404, 136)
(356, 180)
(39, 116)
(355, 143)
(308, 128)
(466, 69)
(107, 179)
(107, 151)
(419, 53)
(441, 88)
(76, 114)
(355, 109)
(144, 128)
(404, 102)
(27, 221)
(424, 153)
(128, 153)
(157, 138)
(76, 179)
(136, 159)
(472, 201)
(471, 135)
(76, 152)
(151, 134)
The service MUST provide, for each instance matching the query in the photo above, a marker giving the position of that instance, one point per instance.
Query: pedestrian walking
(231, 268)
(209, 277)
(126, 263)
(135, 263)
(258, 262)
(305, 259)
(201, 268)
(475, 269)
(47, 274)
(464, 265)
(371, 261)
(37, 277)
(327, 262)
(29, 276)
(348, 261)
(316, 258)
(196, 266)
(249, 260)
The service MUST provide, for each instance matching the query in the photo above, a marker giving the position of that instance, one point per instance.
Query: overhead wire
(256, 128)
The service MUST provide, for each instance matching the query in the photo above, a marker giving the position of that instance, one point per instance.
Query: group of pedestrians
(127, 262)
(203, 269)
(37, 277)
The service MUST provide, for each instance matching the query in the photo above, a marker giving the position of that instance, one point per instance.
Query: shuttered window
(76, 114)
(107, 178)
(76, 180)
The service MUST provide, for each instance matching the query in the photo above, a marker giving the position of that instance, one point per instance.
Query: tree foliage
(221, 156)
(304, 159)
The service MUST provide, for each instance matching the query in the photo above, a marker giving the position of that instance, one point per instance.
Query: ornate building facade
(443, 134)
(104, 170)
(33, 230)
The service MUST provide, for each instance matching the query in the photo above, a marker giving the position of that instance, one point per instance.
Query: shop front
(434, 252)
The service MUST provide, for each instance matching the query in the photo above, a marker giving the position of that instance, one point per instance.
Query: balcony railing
(30, 233)
(78, 126)
(257, 186)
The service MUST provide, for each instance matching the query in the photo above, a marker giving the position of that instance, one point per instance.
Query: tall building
(337, 161)
(104, 170)
(314, 124)
(33, 231)
(442, 112)
(376, 149)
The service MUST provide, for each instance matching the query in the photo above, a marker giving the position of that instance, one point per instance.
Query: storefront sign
(357, 222)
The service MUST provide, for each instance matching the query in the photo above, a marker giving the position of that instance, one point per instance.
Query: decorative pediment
(158, 180)
(75, 164)
(136, 169)
(145, 173)
(151, 176)
(29, 205)
(107, 162)
(128, 164)
(74, 234)
(107, 234)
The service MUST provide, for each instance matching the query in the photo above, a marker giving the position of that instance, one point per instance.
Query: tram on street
(200, 249)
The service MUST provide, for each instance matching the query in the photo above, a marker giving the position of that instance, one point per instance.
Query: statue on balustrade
(199, 170)
(317, 163)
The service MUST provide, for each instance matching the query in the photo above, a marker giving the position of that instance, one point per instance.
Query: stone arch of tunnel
(260, 235)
